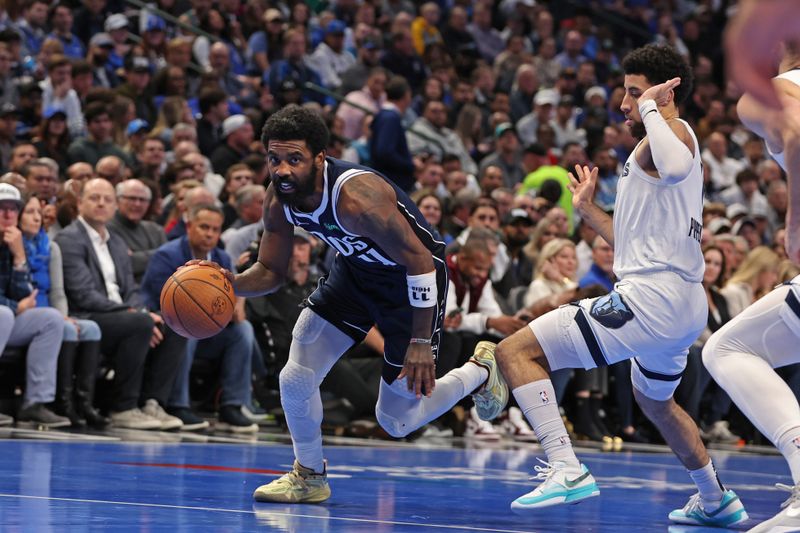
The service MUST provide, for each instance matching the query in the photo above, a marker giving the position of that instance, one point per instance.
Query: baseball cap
(9, 192)
(518, 215)
(546, 97)
(502, 129)
(155, 23)
(137, 64)
(272, 14)
(232, 123)
(115, 22)
(288, 85)
(136, 126)
(371, 43)
(719, 225)
(595, 91)
(335, 27)
(51, 111)
(101, 39)
(735, 210)
(8, 109)
(737, 227)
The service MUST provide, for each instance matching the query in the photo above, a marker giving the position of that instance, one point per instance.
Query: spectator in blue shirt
(602, 269)
(233, 345)
(61, 19)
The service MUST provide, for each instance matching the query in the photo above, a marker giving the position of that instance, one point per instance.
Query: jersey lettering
(695, 230)
(349, 245)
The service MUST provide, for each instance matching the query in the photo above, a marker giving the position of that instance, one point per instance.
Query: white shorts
(653, 319)
(770, 329)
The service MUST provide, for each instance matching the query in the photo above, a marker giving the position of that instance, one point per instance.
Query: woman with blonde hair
(755, 277)
(174, 110)
(555, 271)
(545, 231)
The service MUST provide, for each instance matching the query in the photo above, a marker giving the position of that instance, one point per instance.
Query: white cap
(546, 96)
(115, 22)
(9, 192)
(232, 123)
(595, 91)
(735, 210)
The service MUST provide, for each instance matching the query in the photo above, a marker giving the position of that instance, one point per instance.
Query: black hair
(660, 63)
(295, 123)
(95, 110)
(396, 88)
(211, 97)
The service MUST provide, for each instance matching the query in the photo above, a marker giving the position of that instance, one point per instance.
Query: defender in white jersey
(656, 310)
(742, 355)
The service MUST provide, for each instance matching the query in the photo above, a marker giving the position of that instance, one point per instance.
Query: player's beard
(637, 130)
(304, 188)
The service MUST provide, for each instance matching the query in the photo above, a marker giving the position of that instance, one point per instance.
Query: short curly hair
(659, 63)
(295, 123)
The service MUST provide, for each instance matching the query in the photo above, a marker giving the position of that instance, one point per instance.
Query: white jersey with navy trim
(794, 77)
(658, 226)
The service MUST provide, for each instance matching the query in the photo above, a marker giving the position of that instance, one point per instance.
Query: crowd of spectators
(129, 144)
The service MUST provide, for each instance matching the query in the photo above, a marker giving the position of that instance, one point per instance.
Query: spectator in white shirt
(723, 168)
(331, 59)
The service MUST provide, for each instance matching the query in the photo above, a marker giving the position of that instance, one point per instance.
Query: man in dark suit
(387, 144)
(98, 279)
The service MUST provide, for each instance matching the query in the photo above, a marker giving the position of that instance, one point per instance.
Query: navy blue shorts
(354, 299)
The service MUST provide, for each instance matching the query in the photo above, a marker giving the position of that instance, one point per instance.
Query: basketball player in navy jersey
(656, 310)
(389, 272)
(742, 355)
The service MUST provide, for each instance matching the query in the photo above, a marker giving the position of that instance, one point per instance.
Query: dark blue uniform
(365, 286)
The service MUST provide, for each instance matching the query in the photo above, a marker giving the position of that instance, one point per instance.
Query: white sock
(707, 481)
(406, 413)
(789, 445)
(538, 402)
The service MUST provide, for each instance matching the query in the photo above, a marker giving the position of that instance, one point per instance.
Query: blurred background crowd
(129, 144)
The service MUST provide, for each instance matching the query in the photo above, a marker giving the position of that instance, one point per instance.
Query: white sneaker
(166, 420)
(516, 427)
(788, 519)
(134, 419)
(719, 432)
(480, 429)
(559, 484)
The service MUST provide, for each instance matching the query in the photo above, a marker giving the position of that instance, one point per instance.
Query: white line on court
(263, 512)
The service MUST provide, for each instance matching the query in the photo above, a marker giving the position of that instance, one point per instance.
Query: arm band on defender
(422, 289)
(671, 156)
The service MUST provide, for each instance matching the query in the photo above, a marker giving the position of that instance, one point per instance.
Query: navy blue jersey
(357, 249)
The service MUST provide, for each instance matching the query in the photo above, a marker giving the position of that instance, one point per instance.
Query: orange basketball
(197, 302)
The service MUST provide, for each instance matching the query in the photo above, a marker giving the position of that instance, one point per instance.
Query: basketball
(197, 302)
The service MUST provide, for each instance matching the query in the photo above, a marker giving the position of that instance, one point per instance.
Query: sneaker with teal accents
(492, 397)
(559, 484)
(728, 512)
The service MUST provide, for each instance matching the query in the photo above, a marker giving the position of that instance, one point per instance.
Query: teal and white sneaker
(730, 511)
(491, 399)
(559, 485)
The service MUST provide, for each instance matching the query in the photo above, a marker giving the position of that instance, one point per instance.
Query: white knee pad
(397, 398)
(393, 426)
(308, 327)
(654, 388)
(297, 384)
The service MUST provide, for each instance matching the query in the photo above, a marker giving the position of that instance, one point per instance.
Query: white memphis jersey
(658, 225)
(794, 77)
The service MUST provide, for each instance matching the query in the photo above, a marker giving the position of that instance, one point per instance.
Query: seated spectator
(431, 208)
(745, 192)
(23, 324)
(371, 96)
(213, 104)
(58, 93)
(202, 170)
(8, 128)
(233, 346)
(194, 196)
(41, 180)
(150, 159)
(111, 168)
(138, 88)
(98, 280)
(80, 350)
(61, 19)
(98, 143)
(755, 277)
(142, 236)
(438, 139)
(723, 168)
(294, 66)
(517, 230)
(22, 154)
(555, 271)
(237, 136)
(250, 207)
(602, 270)
(237, 176)
(331, 59)
(54, 138)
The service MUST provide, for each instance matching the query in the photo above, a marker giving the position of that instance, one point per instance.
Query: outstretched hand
(419, 369)
(583, 187)
(661, 93)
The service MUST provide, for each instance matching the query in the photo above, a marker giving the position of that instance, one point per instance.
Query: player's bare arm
(766, 122)
(583, 186)
(268, 273)
(368, 206)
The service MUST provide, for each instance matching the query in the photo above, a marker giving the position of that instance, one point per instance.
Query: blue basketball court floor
(142, 481)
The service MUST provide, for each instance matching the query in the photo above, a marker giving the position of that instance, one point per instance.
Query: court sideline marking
(259, 512)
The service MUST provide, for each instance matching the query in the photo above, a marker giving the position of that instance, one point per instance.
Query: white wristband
(422, 290)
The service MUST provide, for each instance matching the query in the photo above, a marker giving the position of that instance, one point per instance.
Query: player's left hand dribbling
(419, 369)
(225, 272)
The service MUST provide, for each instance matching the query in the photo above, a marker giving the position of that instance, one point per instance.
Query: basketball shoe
(301, 485)
(789, 517)
(491, 399)
(559, 484)
(730, 511)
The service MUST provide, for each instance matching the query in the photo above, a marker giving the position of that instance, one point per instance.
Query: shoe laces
(543, 473)
(694, 504)
(795, 493)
